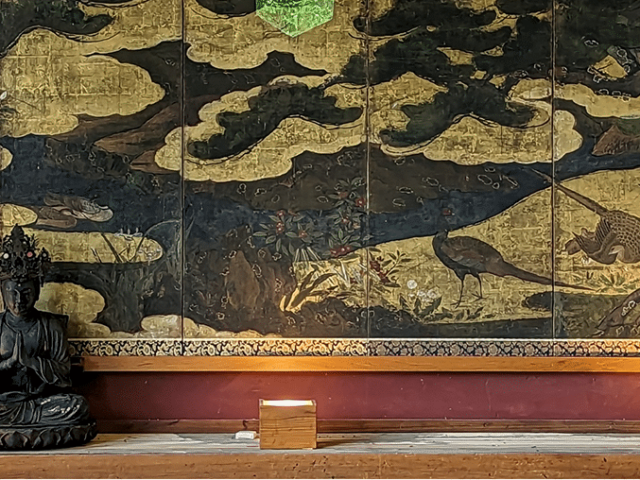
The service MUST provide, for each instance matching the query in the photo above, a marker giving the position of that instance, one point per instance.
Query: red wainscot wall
(227, 396)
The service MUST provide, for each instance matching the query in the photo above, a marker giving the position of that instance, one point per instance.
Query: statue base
(46, 436)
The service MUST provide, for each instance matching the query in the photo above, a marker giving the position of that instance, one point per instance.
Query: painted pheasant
(617, 235)
(466, 255)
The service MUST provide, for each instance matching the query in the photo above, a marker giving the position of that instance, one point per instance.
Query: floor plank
(404, 455)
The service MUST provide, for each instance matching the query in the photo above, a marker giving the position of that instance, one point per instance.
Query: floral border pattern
(357, 347)
(277, 347)
(461, 348)
(117, 348)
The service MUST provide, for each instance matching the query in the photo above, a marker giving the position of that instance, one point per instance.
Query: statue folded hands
(36, 410)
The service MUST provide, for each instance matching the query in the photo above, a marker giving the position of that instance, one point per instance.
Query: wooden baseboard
(363, 364)
(377, 426)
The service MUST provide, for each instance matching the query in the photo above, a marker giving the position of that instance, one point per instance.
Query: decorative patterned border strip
(597, 348)
(357, 347)
(461, 348)
(121, 348)
(277, 347)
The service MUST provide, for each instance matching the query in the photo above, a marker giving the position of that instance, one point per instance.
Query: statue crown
(18, 257)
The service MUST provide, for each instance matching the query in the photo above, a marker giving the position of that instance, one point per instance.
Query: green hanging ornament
(294, 17)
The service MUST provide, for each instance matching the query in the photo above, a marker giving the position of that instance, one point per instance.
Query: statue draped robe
(32, 391)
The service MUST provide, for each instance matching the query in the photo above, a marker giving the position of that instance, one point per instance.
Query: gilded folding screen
(413, 177)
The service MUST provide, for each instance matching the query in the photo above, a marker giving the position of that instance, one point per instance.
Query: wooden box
(288, 424)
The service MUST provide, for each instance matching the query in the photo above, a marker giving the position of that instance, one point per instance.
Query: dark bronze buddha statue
(36, 410)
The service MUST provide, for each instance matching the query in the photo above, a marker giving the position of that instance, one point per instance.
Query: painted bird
(78, 207)
(466, 255)
(616, 237)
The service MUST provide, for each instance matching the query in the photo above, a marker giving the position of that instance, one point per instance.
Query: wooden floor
(406, 455)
